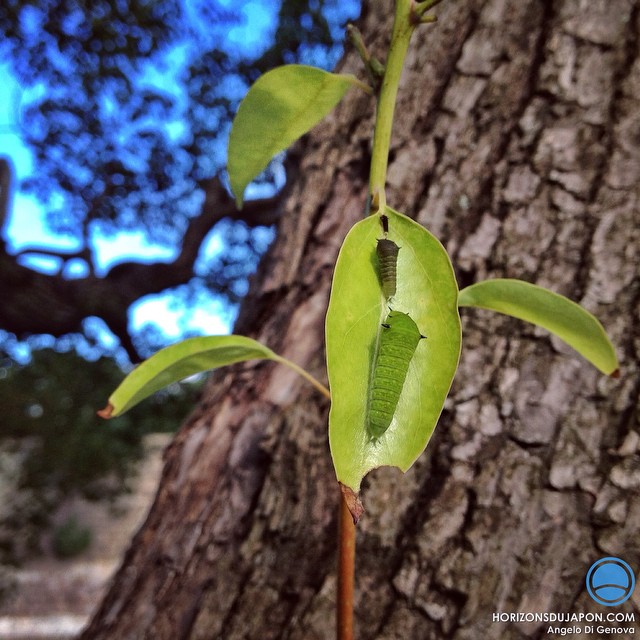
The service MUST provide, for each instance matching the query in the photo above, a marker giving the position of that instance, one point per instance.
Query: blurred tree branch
(125, 109)
(35, 302)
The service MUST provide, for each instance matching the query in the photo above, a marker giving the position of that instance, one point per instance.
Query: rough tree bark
(517, 143)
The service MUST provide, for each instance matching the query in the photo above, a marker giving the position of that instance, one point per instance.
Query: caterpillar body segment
(387, 251)
(398, 341)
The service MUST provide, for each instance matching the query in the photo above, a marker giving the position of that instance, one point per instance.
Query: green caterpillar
(387, 251)
(398, 341)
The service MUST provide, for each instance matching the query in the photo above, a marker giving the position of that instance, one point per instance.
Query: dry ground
(55, 598)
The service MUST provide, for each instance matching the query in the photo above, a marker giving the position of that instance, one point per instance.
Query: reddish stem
(346, 570)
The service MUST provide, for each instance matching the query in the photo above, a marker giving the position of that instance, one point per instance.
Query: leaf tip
(354, 504)
(107, 412)
(615, 374)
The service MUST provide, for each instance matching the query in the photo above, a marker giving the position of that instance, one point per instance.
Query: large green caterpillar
(387, 251)
(398, 341)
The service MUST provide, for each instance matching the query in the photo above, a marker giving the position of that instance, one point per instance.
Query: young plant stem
(346, 570)
(403, 26)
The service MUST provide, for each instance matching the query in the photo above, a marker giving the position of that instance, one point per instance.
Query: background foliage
(126, 108)
(54, 446)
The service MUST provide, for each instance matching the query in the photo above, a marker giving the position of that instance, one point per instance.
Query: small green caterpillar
(387, 251)
(398, 341)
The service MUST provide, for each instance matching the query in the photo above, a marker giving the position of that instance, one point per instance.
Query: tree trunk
(517, 144)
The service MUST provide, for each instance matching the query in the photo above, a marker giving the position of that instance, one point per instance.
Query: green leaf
(179, 361)
(559, 315)
(427, 290)
(282, 105)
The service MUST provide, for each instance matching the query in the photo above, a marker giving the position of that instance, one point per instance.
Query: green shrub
(71, 538)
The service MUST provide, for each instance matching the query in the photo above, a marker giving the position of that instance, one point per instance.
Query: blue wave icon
(610, 581)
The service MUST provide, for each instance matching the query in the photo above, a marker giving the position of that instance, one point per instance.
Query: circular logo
(610, 581)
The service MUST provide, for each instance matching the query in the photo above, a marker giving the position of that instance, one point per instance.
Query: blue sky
(27, 229)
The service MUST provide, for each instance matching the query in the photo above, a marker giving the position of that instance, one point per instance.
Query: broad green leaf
(427, 290)
(179, 361)
(559, 315)
(282, 105)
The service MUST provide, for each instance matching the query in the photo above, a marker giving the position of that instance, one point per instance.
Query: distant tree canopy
(53, 446)
(127, 108)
